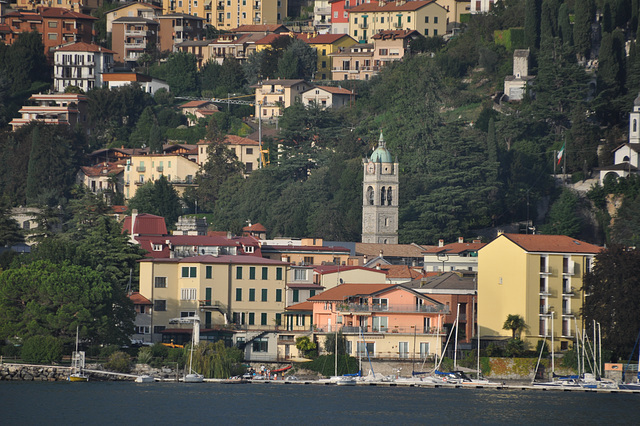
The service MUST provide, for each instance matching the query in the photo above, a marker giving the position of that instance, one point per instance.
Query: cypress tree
(565, 32)
(582, 27)
(607, 21)
(532, 24)
(36, 158)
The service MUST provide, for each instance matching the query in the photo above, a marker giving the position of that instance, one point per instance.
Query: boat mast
(455, 343)
(335, 362)
(553, 349)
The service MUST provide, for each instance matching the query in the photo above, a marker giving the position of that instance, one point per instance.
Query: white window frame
(188, 294)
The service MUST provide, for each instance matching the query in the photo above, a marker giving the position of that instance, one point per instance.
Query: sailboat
(633, 386)
(192, 376)
(77, 364)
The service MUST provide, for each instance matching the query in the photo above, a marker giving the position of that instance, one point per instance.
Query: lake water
(128, 403)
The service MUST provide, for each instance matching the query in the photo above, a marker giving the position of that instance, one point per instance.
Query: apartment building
(81, 65)
(228, 14)
(141, 169)
(55, 108)
(132, 36)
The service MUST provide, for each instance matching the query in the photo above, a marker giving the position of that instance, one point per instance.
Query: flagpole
(555, 162)
(564, 157)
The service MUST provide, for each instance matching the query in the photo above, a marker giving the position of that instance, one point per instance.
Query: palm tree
(516, 324)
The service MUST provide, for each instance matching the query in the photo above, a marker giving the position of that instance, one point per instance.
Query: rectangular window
(403, 349)
(160, 282)
(435, 33)
(189, 271)
(252, 272)
(238, 295)
(380, 304)
(278, 319)
(300, 275)
(308, 260)
(160, 305)
(263, 318)
(249, 151)
(296, 296)
(312, 293)
(265, 273)
(209, 272)
(238, 272)
(408, 19)
(187, 314)
(278, 295)
(435, 19)
(279, 274)
(260, 344)
(252, 295)
(53, 24)
(382, 20)
(252, 318)
(52, 36)
(424, 349)
(379, 324)
(426, 19)
(264, 294)
(365, 349)
(188, 294)
(158, 328)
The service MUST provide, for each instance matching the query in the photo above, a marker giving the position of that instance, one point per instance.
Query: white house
(625, 157)
(81, 64)
(327, 97)
(148, 84)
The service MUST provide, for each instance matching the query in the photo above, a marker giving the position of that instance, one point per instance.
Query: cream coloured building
(272, 96)
(178, 170)
(228, 14)
(538, 277)
(247, 291)
(425, 16)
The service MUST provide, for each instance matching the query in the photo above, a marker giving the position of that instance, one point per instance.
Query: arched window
(382, 196)
(626, 158)
(635, 125)
(389, 196)
(370, 195)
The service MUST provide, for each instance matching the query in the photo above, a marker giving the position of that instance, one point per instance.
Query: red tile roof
(455, 248)
(224, 259)
(256, 227)
(304, 306)
(119, 209)
(326, 38)
(270, 38)
(343, 291)
(232, 140)
(139, 299)
(84, 47)
(146, 224)
(395, 34)
(552, 243)
(401, 271)
(391, 6)
(57, 12)
(309, 286)
(194, 104)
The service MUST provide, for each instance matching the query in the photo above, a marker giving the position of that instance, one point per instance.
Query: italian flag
(561, 153)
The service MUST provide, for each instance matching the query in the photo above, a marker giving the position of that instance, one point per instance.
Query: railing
(135, 45)
(397, 25)
(207, 7)
(212, 304)
(568, 313)
(220, 6)
(322, 10)
(544, 310)
(160, 168)
(545, 291)
(182, 182)
(363, 26)
(362, 68)
(135, 33)
(141, 169)
(347, 329)
(256, 6)
(274, 92)
(356, 307)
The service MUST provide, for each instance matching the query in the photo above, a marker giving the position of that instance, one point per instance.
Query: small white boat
(346, 381)
(77, 363)
(145, 378)
(194, 378)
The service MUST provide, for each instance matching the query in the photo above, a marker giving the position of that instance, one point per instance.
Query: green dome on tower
(381, 154)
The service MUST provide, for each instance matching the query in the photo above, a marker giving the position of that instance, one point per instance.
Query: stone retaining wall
(44, 373)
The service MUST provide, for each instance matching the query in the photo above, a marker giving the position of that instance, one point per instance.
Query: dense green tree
(626, 226)
(289, 66)
(49, 299)
(614, 297)
(565, 31)
(584, 11)
(532, 23)
(159, 198)
(10, 231)
(24, 62)
(307, 59)
(563, 216)
(147, 121)
(182, 73)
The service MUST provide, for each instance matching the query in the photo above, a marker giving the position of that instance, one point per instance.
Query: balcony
(134, 33)
(322, 11)
(383, 330)
(397, 25)
(160, 169)
(356, 307)
(568, 291)
(363, 26)
(568, 313)
(141, 169)
(545, 291)
(256, 6)
(544, 310)
(212, 305)
(142, 45)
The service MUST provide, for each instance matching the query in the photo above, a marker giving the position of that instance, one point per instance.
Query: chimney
(460, 240)
(476, 241)
(440, 243)
(134, 216)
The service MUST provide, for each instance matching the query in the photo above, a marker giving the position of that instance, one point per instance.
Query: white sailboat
(77, 363)
(192, 376)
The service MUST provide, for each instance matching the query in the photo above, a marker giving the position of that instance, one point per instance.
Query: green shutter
(209, 270)
(185, 272)
(238, 295)
(296, 295)
(278, 295)
(192, 271)
(278, 273)
(264, 294)
(263, 318)
(252, 318)
(265, 273)
(252, 295)
(252, 272)
(238, 272)
(278, 319)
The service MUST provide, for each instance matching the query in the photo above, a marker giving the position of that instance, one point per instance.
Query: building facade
(380, 197)
(140, 169)
(55, 108)
(272, 96)
(133, 36)
(458, 256)
(81, 65)
(538, 277)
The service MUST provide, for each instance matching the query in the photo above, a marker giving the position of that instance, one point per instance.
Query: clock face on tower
(371, 168)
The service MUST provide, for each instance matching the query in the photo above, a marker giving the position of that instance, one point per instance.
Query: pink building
(395, 321)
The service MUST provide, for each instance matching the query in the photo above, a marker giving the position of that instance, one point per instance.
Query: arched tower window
(626, 158)
(370, 195)
(382, 196)
(389, 198)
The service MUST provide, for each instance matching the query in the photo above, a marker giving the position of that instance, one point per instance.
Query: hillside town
(278, 175)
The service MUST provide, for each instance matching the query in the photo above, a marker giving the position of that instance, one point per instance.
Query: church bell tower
(380, 197)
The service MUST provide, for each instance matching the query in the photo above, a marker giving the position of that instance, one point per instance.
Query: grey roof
(180, 15)
(135, 19)
(446, 281)
(637, 101)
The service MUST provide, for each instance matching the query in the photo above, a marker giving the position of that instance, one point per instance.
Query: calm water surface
(170, 403)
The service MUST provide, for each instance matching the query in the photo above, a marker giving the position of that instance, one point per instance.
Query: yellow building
(247, 291)
(538, 277)
(228, 14)
(425, 16)
(141, 169)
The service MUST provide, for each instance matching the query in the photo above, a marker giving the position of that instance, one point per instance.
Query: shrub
(11, 351)
(118, 362)
(493, 350)
(144, 355)
(159, 350)
(42, 349)
(107, 351)
(515, 348)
